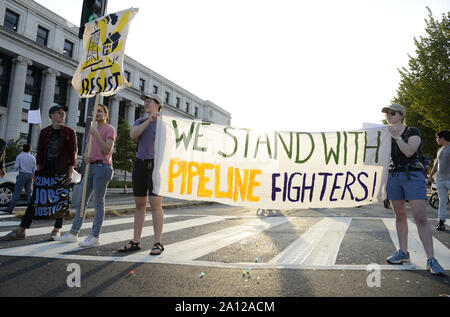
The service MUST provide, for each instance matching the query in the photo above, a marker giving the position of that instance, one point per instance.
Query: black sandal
(157, 249)
(133, 247)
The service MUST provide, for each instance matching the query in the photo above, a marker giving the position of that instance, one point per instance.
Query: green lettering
(297, 158)
(197, 136)
(269, 151)
(288, 151)
(183, 137)
(235, 143)
(332, 152)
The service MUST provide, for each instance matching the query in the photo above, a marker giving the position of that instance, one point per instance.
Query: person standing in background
(26, 166)
(441, 167)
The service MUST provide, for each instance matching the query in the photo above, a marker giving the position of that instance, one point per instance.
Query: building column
(114, 111)
(131, 113)
(48, 95)
(16, 100)
(72, 115)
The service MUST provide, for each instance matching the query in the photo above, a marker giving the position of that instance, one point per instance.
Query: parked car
(8, 182)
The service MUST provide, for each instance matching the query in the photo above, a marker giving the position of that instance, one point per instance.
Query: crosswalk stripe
(87, 225)
(191, 249)
(53, 247)
(302, 247)
(319, 245)
(9, 223)
(327, 250)
(317, 248)
(416, 251)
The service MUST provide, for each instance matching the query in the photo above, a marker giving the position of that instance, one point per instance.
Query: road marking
(317, 248)
(9, 223)
(416, 251)
(191, 249)
(319, 245)
(52, 248)
(86, 225)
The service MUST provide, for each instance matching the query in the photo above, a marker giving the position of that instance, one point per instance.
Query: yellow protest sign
(100, 71)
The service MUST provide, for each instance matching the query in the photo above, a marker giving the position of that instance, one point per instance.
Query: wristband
(399, 138)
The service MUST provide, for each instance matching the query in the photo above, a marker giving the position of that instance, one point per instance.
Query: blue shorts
(400, 188)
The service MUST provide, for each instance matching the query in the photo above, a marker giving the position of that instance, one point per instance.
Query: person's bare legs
(401, 223)
(157, 217)
(420, 217)
(139, 217)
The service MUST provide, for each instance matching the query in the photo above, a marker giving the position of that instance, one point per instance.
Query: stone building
(39, 53)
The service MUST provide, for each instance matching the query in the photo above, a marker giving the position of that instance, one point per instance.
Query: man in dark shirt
(56, 152)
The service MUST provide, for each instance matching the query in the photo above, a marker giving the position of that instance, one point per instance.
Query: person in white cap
(144, 130)
(406, 182)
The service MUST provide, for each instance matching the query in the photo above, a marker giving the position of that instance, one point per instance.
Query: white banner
(101, 67)
(270, 169)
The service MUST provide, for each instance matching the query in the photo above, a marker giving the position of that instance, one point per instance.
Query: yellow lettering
(202, 180)
(252, 185)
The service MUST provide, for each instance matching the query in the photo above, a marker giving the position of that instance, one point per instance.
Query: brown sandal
(131, 246)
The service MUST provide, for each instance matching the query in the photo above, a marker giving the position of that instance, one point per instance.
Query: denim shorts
(399, 187)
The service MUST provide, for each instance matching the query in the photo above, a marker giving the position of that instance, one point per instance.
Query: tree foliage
(424, 88)
(125, 149)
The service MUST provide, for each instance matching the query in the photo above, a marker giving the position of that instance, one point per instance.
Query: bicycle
(434, 198)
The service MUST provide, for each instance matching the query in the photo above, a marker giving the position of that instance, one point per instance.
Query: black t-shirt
(399, 159)
(53, 149)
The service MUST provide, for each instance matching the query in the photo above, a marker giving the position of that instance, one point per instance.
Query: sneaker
(55, 235)
(434, 267)
(13, 235)
(441, 225)
(90, 241)
(68, 238)
(398, 257)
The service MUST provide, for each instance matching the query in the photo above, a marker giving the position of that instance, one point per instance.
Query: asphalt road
(227, 252)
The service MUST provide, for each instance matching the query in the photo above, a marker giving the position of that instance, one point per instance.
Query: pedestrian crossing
(205, 240)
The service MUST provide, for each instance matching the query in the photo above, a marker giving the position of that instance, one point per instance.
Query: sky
(287, 65)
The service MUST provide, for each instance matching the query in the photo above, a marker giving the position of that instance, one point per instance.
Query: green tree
(14, 148)
(424, 88)
(125, 149)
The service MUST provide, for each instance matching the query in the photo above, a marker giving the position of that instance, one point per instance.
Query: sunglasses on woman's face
(391, 113)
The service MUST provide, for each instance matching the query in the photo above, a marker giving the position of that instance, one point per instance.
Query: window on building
(187, 107)
(167, 97)
(141, 84)
(178, 102)
(82, 112)
(11, 20)
(42, 35)
(155, 89)
(122, 111)
(139, 113)
(196, 112)
(25, 131)
(127, 75)
(5, 71)
(32, 92)
(80, 143)
(60, 91)
(68, 48)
